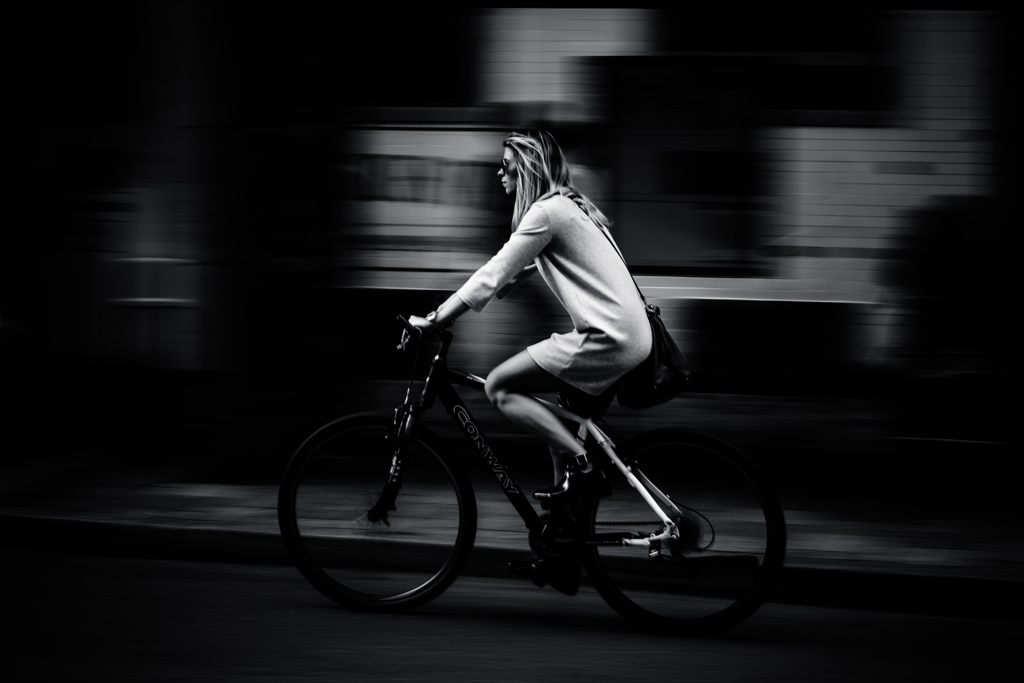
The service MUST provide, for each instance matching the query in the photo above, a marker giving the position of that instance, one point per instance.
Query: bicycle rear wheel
(732, 536)
(356, 557)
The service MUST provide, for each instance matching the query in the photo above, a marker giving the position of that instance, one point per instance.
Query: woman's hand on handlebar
(434, 321)
(423, 326)
(422, 323)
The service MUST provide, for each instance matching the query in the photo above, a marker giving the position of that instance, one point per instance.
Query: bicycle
(378, 514)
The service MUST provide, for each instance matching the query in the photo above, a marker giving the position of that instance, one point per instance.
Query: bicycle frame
(439, 384)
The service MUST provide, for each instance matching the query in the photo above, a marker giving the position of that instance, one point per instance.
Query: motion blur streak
(224, 173)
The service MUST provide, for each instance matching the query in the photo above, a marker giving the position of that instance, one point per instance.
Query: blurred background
(213, 208)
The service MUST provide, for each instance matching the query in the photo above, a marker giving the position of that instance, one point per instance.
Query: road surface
(77, 617)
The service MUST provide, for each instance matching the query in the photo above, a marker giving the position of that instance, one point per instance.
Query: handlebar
(409, 327)
(409, 332)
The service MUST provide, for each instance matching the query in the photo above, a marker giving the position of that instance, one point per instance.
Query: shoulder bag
(665, 372)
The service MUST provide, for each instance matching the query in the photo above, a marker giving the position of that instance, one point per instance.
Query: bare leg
(508, 388)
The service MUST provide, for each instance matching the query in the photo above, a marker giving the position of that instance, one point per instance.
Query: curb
(882, 592)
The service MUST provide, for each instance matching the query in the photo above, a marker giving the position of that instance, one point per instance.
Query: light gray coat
(577, 260)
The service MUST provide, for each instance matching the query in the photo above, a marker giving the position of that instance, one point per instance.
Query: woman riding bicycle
(560, 232)
(377, 513)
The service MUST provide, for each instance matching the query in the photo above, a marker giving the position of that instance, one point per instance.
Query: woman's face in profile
(507, 172)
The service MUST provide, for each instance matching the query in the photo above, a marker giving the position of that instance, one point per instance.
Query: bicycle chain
(654, 522)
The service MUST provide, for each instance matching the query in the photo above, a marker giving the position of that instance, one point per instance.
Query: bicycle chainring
(556, 536)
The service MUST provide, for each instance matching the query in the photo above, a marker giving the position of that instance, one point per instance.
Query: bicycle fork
(402, 427)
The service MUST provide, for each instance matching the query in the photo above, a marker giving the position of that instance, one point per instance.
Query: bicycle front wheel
(730, 547)
(358, 551)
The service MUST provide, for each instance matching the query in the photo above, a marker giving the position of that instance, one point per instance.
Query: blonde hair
(542, 170)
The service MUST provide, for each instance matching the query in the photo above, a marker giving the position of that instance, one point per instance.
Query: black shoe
(575, 481)
(563, 573)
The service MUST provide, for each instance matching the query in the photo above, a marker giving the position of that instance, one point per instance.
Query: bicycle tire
(399, 562)
(706, 581)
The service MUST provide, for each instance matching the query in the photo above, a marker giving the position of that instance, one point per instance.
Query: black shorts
(584, 404)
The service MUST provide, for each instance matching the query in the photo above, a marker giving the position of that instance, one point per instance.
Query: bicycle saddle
(584, 404)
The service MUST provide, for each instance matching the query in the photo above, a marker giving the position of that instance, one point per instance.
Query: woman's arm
(447, 312)
(529, 239)
(519, 279)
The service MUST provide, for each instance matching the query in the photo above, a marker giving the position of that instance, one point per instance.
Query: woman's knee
(495, 389)
(520, 374)
(491, 389)
(502, 380)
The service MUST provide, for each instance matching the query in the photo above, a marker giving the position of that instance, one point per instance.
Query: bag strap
(573, 196)
(616, 248)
